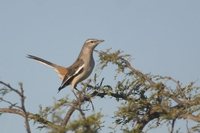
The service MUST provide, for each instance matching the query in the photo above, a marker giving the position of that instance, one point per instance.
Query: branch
(102, 93)
(11, 88)
(69, 114)
(10, 103)
(76, 104)
(32, 116)
(27, 125)
(12, 111)
(191, 117)
(22, 108)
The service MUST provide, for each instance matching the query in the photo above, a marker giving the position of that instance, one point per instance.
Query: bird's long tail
(59, 69)
(40, 60)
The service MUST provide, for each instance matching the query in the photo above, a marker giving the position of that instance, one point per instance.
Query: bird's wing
(74, 70)
(61, 71)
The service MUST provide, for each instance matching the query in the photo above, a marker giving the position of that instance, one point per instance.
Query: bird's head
(92, 43)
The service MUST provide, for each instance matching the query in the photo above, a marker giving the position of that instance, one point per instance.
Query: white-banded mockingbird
(79, 70)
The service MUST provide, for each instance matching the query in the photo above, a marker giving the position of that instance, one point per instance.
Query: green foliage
(91, 124)
(149, 97)
(113, 58)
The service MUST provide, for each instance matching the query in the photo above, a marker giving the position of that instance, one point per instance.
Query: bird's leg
(79, 92)
(77, 89)
(88, 98)
(74, 94)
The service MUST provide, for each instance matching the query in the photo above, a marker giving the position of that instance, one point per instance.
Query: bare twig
(27, 125)
(11, 105)
(21, 108)
(11, 88)
(173, 124)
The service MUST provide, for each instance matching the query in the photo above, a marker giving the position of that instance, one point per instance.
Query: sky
(161, 36)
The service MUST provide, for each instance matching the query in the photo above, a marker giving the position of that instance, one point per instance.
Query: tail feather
(40, 60)
(59, 69)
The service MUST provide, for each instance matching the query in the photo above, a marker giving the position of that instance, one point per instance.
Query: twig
(11, 88)
(10, 103)
(32, 116)
(173, 124)
(69, 114)
(22, 109)
(76, 105)
(27, 125)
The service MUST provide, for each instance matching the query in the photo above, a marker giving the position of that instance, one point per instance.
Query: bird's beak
(100, 41)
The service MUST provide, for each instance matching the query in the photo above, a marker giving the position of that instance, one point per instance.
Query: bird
(79, 70)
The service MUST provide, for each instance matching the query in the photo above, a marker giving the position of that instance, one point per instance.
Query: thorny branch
(153, 111)
(21, 109)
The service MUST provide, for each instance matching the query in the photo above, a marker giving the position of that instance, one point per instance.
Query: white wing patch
(76, 72)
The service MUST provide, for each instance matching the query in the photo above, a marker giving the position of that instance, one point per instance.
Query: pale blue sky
(161, 36)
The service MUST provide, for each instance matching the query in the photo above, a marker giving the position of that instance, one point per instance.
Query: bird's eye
(92, 41)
